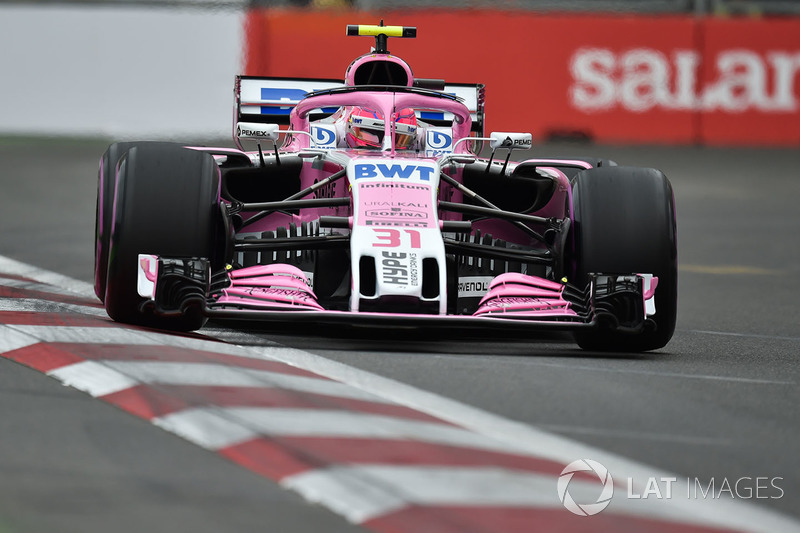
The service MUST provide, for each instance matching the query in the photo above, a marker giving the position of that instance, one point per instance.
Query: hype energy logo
(418, 172)
(590, 468)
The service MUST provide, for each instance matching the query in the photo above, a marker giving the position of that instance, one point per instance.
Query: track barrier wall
(676, 79)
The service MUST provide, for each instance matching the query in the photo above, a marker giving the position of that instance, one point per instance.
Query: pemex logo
(589, 466)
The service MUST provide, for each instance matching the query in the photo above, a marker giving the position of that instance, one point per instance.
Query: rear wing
(270, 100)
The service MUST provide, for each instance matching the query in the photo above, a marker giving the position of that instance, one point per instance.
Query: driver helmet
(365, 128)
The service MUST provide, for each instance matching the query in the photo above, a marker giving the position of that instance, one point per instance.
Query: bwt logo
(372, 170)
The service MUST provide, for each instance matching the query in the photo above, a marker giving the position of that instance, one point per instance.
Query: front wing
(282, 294)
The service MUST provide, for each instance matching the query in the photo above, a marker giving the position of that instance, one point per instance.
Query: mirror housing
(257, 131)
(510, 140)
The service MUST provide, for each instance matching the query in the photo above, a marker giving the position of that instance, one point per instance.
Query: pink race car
(372, 206)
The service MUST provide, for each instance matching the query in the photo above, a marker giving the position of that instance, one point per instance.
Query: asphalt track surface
(720, 401)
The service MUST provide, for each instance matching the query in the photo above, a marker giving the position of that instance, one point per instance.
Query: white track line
(11, 339)
(17, 268)
(657, 373)
(44, 306)
(330, 423)
(205, 374)
(362, 492)
(745, 335)
(737, 514)
(92, 335)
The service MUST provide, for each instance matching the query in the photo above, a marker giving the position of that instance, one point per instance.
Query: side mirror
(257, 131)
(511, 141)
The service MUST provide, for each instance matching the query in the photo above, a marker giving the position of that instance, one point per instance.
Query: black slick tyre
(167, 204)
(106, 186)
(625, 224)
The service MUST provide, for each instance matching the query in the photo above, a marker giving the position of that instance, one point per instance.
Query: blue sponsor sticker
(288, 95)
(323, 136)
(438, 140)
(428, 115)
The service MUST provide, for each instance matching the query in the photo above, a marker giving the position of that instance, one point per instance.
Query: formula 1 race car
(372, 207)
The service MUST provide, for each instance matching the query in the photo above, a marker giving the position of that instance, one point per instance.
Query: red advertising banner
(750, 85)
(613, 78)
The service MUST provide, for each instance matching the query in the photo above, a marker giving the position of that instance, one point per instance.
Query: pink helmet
(365, 128)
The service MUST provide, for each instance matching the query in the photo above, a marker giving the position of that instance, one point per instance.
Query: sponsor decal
(508, 142)
(400, 223)
(399, 268)
(393, 171)
(274, 292)
(396, 212)
(394, 186)
(323, 137)
(642, 79)
(246, 132)
(536, 303)
(395, 204)
(473, 286)
(285, 94)
(438, 142)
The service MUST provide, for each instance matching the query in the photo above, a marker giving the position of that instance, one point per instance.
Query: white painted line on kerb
(363, 492)
(737, 515)
(37, 286)
(91, 335)
(219, 375)
(44, 306)
(11, 339)
(93, 378)
(208, 428)
(17, 268)
(132, 337)
(331, 423)
(734, 514)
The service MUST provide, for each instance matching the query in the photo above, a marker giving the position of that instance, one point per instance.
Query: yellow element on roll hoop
(389, 31)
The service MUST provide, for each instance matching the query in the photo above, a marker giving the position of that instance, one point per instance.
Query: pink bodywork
(524, 296)
(276, 286)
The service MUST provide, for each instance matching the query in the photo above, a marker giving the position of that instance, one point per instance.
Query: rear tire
(167, 203)
(625, 224)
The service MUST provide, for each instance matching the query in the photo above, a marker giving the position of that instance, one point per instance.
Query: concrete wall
(119, 72)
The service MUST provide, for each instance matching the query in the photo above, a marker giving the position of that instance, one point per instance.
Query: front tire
(106, 189)
(167, 204)
(625, 224)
